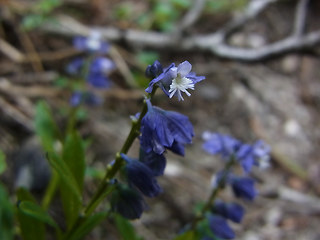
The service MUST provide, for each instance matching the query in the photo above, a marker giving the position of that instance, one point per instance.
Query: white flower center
(180, 84)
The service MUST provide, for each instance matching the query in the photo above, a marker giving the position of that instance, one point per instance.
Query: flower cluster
(160, 130)
(173, 80)
(246, 155)
(95, 69)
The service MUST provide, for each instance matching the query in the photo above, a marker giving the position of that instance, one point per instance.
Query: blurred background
(261, 63)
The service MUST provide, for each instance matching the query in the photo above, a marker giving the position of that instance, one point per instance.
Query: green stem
(105, 188)
(220, 185)
(50, 191)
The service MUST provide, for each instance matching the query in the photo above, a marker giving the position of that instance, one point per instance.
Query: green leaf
(35, 211)
(30, 227)
(189, 235)
(3, 164)
(147, 57)
(45, 126)
(74, 157)
(126, 229)
(6, 215)
(32, 21)
(66, 176)
(87, 226)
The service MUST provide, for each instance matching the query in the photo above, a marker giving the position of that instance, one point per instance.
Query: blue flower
(92, 43)
(154, 70)
(162, 129)
(141, 176)
(127, 202)
(232, 211)
(175, 80)
(243, 187)
(102, 65)
(228, 147)
(98, 80)
(219, 227)
(224, 145)
(245, 157)
(156, 162)
(74, 67)
(261, 152)
(88, 98)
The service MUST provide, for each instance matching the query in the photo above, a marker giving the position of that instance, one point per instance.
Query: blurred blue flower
(261, 152)
(156, 162)
(92, 43)
(243, 187)
(102, 65)
(219, 227)
(127, 202)
(232, 211)
(88, 98)
(162, 129)
(98, 80)
(74, 67)
(216, 143)
(154, 70)
(228, 147)
(175, 80)
(141, 176)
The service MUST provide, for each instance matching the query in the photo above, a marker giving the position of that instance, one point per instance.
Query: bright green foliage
(3, 164)
(87, 226)
(6, 215)
(126, 229)
(45, 126)
(31, 228)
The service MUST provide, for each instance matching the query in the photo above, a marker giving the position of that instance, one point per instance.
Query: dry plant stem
(214, 194)
(105, 188)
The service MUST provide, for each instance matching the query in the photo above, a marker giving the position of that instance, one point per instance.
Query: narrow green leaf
(6, 215)
(35, 211)
(3, 164)
(87, 226)
(74, 156)
(69, 189)
(66, 175)
(126, 229)
(45, 126)
(30, 227)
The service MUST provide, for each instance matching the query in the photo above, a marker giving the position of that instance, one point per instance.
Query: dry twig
(214, 42)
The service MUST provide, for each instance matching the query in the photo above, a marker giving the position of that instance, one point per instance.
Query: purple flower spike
(127, 202)
(232, 211)
(162, 129)
(243, 187)
(157, 163)
(175, 80)
(219, 227)
(141, 176)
